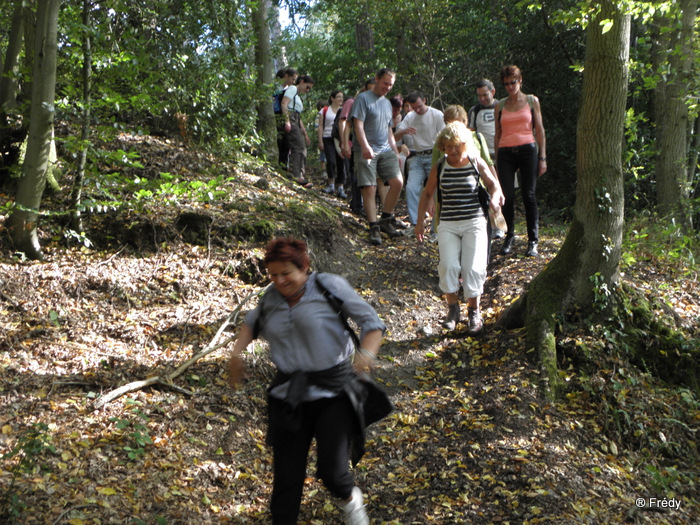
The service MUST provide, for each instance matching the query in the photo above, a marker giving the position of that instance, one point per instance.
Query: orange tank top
(516, 127)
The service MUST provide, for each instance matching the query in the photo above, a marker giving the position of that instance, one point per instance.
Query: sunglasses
(511, 83)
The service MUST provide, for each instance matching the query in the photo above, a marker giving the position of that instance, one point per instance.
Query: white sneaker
(354, 512)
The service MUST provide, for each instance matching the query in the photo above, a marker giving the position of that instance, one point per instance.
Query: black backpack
(335, 130)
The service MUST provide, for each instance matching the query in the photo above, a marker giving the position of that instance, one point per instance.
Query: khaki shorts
(385, 166)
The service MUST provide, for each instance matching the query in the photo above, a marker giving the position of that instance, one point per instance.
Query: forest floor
(472, 440)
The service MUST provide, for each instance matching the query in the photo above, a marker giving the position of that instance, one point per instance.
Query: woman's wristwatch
(366, 353)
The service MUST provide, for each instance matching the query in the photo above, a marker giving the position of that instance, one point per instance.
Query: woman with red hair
(303, 316)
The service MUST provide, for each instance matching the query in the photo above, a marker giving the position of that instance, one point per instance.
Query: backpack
(472, 113)
(277, 100)
(335, 130)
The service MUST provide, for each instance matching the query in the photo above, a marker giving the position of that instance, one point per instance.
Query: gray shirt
(482, 119)
(309, 336)
(376, 115)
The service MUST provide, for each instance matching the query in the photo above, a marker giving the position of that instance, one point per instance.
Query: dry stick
(168, 379)
(71, 509)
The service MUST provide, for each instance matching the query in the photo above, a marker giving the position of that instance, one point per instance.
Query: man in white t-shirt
(423, 125)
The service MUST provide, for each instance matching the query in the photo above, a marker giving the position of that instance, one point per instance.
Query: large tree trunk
(76, 194)
(263, 65)
(675, 52)
(589, 258)
(23, 221)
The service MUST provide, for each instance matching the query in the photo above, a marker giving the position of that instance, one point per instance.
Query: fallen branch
(167, 379)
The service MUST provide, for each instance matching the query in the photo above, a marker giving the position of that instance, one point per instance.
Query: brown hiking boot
(452, 318)
(375, 236)
(387, 227)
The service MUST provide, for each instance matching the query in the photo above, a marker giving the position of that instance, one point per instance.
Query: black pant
(356, 204)
(297, 147)
(510, 160)
(331, 421)
(282, 144)
(335, 167)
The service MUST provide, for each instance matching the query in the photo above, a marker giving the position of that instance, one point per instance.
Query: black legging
(331, 421)
(509, 161)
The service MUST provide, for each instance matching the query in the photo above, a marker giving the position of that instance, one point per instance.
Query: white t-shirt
(427, 125)
(328, 124)
(295, 103)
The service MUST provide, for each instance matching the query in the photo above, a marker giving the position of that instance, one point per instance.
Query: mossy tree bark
(23, 221)
(589, 258)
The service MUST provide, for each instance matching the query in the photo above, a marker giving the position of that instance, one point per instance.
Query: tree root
(167, 379)
(540, 336)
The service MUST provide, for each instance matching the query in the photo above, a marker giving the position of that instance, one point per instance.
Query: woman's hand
(497, 200)
(287, 126)
(236, 371)
(542, 168)
(362, 363)
(419, 230)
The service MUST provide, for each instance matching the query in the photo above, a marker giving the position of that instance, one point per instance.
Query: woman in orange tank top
(520, 144)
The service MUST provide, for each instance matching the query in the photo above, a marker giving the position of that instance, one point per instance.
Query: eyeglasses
(511, 83)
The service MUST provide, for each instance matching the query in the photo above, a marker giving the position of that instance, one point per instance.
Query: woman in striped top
(462, 235)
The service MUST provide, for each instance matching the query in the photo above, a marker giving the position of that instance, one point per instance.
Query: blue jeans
(418, 171)
(510, 160)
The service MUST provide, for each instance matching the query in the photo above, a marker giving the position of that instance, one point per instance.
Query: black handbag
(484, 200)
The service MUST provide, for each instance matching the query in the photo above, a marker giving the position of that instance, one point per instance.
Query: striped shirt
(458, 190)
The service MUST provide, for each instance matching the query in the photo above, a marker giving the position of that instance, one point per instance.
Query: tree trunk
(29, 53)
(8, 82)
(364, 36)
(588, 263)
(23, 221)
(263, 65)
(675, 51)
(76, 195)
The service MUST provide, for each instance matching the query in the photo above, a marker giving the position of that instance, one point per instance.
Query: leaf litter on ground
(472, 440)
